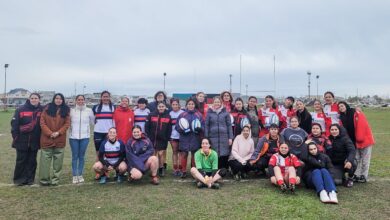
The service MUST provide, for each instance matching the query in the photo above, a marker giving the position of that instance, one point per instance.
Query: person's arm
(235, 153)
(148, 125)
(229, 126)
(169, 129)
(15, 125)
(91, 117)
(101, 154)
(65, 126)
(207, 126)
(45, 129)
(271, 164)
(214, 166)
(149, 152)
(256, 153)
(251, 149)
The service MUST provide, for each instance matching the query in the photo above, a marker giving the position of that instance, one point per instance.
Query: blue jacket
(190, 141)
(138, 152)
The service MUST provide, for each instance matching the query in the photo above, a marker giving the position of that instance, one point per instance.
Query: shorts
(98, 138)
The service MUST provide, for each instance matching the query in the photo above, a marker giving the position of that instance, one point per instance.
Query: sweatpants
(363, 157)
(339, 173)
(49, 155)
(25, 167)
(236, 167)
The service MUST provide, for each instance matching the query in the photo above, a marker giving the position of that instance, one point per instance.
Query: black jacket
(305, 120)
(158, 128)
(25, 127)
(342, 148)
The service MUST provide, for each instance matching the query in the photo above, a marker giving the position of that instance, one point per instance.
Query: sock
(280, 182)
(292, 181)
(175, 167)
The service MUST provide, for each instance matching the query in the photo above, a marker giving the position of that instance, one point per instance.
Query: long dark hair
(194, 101)
(163, 93)
(273, 99)
(242, 101)
(53, 108)
(292, 100)
(100, 106)
(251, 97)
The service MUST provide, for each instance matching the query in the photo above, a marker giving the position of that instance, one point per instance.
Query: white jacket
(81, 119)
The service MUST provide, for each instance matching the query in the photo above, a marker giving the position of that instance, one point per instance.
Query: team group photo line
(328, 146)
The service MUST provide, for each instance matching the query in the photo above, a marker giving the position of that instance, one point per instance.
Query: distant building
(46, 96)
(18, 96)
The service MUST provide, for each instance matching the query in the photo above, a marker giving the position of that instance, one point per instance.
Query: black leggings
(338, 172)
(238, 167)
(223, 162)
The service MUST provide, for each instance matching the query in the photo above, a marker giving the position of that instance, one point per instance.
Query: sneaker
(97, 176)
(324, 197)
(283, 187)
(362, 179)
(75, 180)
(237, 177)
(355, 178)
(183, 175)
(349, 183)
(81, 179)
(200, 185)
(161, 171)
(103, 180)
(244, 175)
(119, 179)
(292, 187)
(215, 186)
(155, 180)
(333, 197)
(165, 166)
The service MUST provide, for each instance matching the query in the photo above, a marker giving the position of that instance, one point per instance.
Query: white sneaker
(333, 197)
(75, 180)
(81, 179)
(324, 197)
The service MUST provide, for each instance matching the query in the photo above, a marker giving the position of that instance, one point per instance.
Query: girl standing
(318, 116)
(269, 111)
(304, 117)
(253, 118)
(124, 120)
(175, 136)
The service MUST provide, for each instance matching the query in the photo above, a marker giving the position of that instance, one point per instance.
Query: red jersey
(332, 112)
(324, 121)
(284, 163)
(124, 122)
(287, 114)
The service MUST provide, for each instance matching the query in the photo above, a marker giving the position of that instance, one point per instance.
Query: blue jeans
(79, 147)
(322, 180)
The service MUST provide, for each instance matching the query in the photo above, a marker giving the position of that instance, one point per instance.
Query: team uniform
(332, 112)
(284, 163)
(287, 114)
(174, 115)
(111, 153)
(140, 117)
(158, 127)
(104, 120)
(264, 115)
(321, 119)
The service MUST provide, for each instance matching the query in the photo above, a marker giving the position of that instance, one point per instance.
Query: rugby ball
(244, 121)
(272, 119)
(195, 124)
(183, 124)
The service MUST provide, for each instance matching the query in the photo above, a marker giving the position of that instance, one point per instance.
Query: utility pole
(274, 76)
(230, 75)
(165, 74)
(240, 75)
(5, 87)
(246, 90)
(317, 77)
(308, 84)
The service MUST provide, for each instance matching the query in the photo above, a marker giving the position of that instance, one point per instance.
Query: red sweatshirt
(363, 133)
(124, 122)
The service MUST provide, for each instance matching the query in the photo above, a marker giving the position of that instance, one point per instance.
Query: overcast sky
(126, 46)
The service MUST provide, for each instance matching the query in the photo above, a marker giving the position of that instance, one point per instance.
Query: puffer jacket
(81, 120)
(190, 141)
(342, 148)
(218, 128)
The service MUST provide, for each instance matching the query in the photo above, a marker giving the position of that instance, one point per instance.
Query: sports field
(180, 199)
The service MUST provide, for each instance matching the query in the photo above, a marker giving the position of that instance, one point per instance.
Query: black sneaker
(237, 177)
(349, 183)
(161, 171)
(292, 187)
(215, 186)
(244, 175)
(362, 179)
(355, 178)
(165, 166)
(200, 185)
(183, 175)
(283, 187)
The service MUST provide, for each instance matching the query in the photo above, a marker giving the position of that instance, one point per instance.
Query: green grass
(175, 199)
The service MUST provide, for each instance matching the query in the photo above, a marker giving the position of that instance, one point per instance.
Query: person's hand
(230, 141)
(251, 162)
(298, 180)
(348, 165)
(308, 141)
(54, 134)
(109, 168)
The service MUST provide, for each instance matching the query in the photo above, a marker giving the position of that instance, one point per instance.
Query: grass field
(176, 199)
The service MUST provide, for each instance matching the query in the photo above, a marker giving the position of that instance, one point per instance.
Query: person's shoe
(75, 179)
(161, 171)
(119, 179)
(283, 187)
(244, 175)
(355, 178)
(81, 179)
(183, 175)
(97, 176)
(103, 180)
(44, 183)
(215, 186)
(333, 197)
(237, 177)
(165, 166)
(349, 183)
(129, 179)
(292, 187)
(155, 180)
(324, 197)
(362, 179)
(200, 185)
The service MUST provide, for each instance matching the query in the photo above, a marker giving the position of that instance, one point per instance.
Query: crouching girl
(284, 169)
(111, 157)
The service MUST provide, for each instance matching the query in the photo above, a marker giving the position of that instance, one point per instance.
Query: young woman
(55, 121)
(124, 120)
(218, 128)
(287, 110)
(189, 138)
(139, 157)
(304, 117)
(160, 96)
(141, 113)
(81, 119)
(295, 137)
(240, 116)
(317, 174)
(203, 107)
(269, 111)
(227, 101)
(159, 128)
(267, 146)
(361, 135)
(242, 151)
(206, 170)
(318, 116)
(342, 155)
(319, 138)
(111, 157)
(175, 136)
(285, 169)
(104, 113)
(253, 118)
(330, 108)
(26, 132)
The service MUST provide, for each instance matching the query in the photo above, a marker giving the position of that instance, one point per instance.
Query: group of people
(285, 142)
